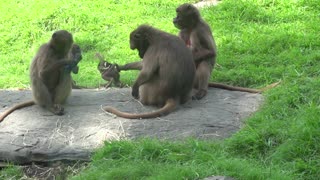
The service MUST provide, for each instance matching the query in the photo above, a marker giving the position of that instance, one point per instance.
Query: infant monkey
(109, 72)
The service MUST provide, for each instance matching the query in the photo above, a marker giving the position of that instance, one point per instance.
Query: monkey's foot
(118, 84)
(199, 95)
(135, 92)
(108, 84)
(57, 110)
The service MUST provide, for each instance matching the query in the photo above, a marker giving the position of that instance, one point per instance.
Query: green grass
(11, 172)
(191, 159)
(259, 42)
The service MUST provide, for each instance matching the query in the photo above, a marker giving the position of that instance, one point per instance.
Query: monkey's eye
(137, 36)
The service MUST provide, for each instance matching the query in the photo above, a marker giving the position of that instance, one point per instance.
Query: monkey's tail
(99, 57)
(18, 106)
(270, 86)
(166, 109)
(237, 88)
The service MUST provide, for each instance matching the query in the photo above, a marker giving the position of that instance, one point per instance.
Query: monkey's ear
(54, 35)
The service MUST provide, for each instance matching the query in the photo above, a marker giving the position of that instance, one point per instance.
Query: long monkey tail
(99, 57)
(236, 88)
(18, 106)
(166, 109)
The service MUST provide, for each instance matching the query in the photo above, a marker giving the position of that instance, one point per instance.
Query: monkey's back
(43, 59)
(176, 67)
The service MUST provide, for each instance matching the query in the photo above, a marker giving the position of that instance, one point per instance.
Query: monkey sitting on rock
(50, 73)
(166, 75)
(197, 35)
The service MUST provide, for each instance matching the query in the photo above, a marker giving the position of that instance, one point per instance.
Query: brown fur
(236, 88)
(131, 66)
(75, 55)
(109, 72)
(167, 71)
(50, 74)
(197, 35)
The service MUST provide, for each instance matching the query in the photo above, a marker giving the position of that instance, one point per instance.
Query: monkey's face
(75, 49)
(138, 40)
(186, 16)
(61, 41)
(134, 40)
(76, 52)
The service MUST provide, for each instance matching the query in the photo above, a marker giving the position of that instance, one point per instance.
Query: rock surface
(33, 134)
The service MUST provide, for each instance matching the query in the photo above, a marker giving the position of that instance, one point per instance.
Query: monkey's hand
(70, 66)
(203, 54)
(135, 91)
(75, 70)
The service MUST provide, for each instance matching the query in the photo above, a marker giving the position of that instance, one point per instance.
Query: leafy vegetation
(259, 42)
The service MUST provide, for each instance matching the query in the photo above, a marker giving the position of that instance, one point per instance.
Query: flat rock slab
(33, 134)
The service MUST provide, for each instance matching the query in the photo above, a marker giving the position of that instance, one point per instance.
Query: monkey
(50, 74)
(75, 54)
(109, 72)
(167, 73)
(197, 35)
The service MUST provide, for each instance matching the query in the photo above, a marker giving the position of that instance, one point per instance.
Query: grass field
(259, 42)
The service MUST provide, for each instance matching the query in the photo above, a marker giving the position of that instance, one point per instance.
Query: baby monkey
(109, 72)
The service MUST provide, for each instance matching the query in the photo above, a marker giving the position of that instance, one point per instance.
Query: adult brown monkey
(197, 35)
(50, 74)
(167, 73)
